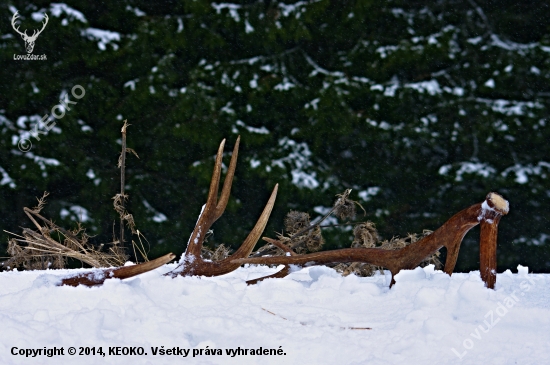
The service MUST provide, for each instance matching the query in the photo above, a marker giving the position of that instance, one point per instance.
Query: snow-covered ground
(427, 317)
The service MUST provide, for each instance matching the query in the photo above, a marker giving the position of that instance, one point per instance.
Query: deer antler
(43, 25)
(13, 20)
(449, 235)
(35, 33)
(191, 262)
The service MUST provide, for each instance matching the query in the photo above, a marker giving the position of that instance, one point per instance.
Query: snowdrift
(305, 318)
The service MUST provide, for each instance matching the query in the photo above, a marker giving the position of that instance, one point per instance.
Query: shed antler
(449, 235)
(191, 262)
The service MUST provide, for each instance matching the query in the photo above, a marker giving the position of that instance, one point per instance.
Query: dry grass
(50, 246)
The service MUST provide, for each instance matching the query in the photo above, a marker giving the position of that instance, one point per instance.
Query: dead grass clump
(220, 253)
(50, 246)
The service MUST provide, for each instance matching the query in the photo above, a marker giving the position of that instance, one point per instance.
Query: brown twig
(122, 166)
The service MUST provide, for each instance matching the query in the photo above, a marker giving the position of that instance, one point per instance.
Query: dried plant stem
(280, 245)
(318, 223)
(122, 165)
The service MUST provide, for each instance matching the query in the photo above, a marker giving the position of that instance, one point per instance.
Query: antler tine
(13, 20)
(45, 21)
(212, 199)
(210, 211)
(226, 190)
(493, 209)
(94, 278)
(198, 266)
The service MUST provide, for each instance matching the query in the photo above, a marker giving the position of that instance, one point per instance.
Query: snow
(247, 27)
(103, 37)
(288, 9)
(431, 87)
(284, 85)
(427, 315)
(131, 84)
(6, 179)
(261, 130)
(75, 213)
(56, 9)
(298, 158)
(158, 217)
(490, 83)
(366, 195)
(523, 171)
(467, 167)
(233, 10)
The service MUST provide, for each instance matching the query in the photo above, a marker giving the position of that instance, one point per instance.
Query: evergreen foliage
(420, 107)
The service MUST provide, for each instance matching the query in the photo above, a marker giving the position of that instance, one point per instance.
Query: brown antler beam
(449, 235)
(97, 277)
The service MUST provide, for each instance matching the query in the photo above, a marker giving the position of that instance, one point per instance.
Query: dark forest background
(420, 107)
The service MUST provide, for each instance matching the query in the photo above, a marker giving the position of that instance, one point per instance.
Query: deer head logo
(29, 40)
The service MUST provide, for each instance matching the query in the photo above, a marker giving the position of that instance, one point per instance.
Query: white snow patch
(6, 179)
(426, 315)
(158, 217)
(370, 192)
(261, 130)
(247, 27)
(75, 213)
(299, 161)
(233, 9)
(490, 83)
(103, 37)
(523, 171)
(431, 87)
(56, 9)
(467, 167)
(284, 85)
(131, 84)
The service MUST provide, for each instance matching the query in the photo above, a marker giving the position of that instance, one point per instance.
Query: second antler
(449, 235)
